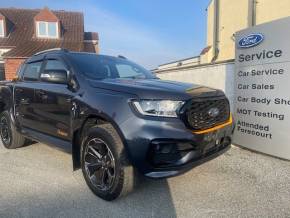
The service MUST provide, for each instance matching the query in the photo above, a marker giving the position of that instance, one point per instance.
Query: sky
(149, 32)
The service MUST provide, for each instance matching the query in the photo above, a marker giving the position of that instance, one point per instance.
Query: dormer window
(2, 33)
(47, 29)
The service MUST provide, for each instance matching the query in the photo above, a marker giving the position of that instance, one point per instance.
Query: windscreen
(104, 67)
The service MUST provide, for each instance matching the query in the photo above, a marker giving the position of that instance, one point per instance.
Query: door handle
(40, 92)
(24, 101)
(19, 90)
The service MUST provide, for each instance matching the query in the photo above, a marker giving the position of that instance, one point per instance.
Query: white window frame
(2, 25)
(46, 26)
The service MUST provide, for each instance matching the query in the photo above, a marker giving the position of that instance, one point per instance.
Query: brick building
(23, 32)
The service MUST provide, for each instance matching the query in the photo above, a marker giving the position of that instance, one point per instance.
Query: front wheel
(105, 166)
(10, 137)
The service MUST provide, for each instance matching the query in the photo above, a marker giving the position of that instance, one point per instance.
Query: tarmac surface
(38, 181)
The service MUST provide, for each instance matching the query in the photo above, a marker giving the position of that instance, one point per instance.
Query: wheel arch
(7, 105)
(91, 120)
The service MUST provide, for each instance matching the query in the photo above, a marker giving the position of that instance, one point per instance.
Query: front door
(53, 104)
(24, 95)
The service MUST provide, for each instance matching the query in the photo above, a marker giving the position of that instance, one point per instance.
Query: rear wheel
(10, 137)
(104, 163)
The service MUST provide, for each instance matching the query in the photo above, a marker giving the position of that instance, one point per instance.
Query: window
(42, 29)
(2, 28)
(52, 29)
(103, 67)
(47, 29)
(55, 65)
(32, 71)
(128, 71)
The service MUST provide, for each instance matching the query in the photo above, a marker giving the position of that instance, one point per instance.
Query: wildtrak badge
(251, 40)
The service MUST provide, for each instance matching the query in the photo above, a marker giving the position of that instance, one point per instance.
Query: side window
(32, 70)
(104, 71)
(55, 65)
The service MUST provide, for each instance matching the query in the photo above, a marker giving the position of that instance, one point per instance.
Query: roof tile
(22, 35)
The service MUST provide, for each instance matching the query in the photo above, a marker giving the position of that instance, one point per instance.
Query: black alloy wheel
(5, 130)
(105, 166)
(9, 135)
(99, 164)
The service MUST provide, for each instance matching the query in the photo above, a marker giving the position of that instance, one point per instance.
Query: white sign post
(262, 88)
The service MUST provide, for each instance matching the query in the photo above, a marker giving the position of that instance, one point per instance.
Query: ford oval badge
(251, 40)
(213, 112)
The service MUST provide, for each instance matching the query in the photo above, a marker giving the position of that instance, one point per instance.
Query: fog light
(157, 148)
(166, 149)
(163, 148)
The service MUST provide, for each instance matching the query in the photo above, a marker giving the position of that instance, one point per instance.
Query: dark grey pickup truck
(113, 116)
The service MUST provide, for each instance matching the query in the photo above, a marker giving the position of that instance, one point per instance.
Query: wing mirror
(55, 76)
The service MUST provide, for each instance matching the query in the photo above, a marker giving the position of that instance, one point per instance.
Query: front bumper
(174, 171)
(161, 148)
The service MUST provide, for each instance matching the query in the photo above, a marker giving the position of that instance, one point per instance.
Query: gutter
(15, 57)
(216, 31)
(252, 13)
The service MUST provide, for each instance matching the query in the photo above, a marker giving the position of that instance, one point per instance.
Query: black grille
(198, 114)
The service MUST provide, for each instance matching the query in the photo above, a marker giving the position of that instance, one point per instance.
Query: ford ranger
(114, 117)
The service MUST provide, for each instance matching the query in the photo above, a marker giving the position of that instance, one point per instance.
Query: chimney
(91, 42)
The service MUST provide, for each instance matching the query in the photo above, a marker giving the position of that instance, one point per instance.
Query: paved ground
(37, 181)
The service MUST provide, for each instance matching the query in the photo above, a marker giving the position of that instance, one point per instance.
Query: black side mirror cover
(55, 76)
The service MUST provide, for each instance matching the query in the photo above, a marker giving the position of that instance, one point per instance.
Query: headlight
(162, 108)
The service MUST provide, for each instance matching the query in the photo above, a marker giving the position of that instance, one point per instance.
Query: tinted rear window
(32, 71)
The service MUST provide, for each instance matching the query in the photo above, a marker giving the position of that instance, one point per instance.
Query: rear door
(53, 102)
(24, 95)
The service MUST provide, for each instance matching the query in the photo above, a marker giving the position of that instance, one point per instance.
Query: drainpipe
(252, 13)
(216, 30)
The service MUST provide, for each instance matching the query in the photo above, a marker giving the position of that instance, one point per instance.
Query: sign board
(262, 88)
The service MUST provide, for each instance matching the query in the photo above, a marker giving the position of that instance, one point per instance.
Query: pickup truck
(114, 117)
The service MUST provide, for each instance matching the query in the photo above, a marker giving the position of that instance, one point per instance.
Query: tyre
(11, 139)
(105, 166)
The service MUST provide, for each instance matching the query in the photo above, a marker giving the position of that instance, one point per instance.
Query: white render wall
(219, 76)
(2, 51)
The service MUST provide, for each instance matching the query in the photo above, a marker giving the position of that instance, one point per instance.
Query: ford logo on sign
(251, 40)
